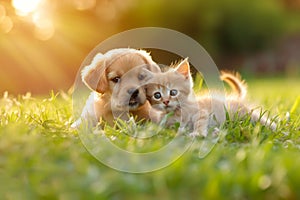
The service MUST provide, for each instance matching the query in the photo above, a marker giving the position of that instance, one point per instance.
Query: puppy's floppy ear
(153, 67)
(94, 75)
(147, 74)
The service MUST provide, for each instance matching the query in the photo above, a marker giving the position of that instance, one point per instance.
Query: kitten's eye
(116, 79)
(173, 92)
(157, 95)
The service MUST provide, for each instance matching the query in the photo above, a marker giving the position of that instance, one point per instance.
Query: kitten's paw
(181, 130)
(194, 134)
(202, 133)
(215, 132)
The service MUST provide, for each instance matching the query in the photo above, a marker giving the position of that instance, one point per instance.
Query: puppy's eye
(116, 79)
(173, 92)
(157, 95)
(141, 76)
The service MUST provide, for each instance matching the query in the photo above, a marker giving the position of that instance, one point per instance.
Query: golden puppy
(116, 80)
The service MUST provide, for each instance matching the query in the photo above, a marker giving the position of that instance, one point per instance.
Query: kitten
(172, 91)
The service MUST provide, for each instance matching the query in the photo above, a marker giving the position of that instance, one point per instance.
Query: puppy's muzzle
(134, 97)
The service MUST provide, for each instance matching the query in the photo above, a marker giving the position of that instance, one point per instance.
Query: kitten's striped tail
(234, 80)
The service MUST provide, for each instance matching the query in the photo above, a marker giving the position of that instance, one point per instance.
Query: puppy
(116, 80)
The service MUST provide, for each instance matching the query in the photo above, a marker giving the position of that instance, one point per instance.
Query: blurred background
(44, 42)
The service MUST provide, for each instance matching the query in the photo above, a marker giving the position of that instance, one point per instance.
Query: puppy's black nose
(133, 92)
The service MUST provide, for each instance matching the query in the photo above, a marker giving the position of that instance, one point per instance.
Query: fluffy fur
(235, 82)
(172, 91)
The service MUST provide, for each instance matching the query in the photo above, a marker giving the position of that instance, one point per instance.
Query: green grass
(42, 158)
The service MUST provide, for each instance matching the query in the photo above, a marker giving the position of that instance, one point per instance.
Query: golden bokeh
(24, 8)
(44, 42)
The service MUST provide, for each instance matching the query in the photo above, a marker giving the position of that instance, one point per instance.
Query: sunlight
(24, 8)
(2, 12)
(84, 4)
(6, 24)
(37, 13)
(44, 28)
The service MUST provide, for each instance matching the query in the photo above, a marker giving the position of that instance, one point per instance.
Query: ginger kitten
(172, 91)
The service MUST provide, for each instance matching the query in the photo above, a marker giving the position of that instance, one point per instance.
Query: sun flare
(23, 8)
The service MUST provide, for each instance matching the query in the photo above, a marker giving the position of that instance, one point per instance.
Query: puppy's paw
(76, 124)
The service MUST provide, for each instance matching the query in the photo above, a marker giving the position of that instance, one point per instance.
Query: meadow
(41, 157)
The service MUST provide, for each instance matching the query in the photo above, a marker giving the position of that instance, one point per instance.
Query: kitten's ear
(184, 68)
(94, 76)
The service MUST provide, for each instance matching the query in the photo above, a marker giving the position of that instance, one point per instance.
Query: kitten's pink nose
(166, 102)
